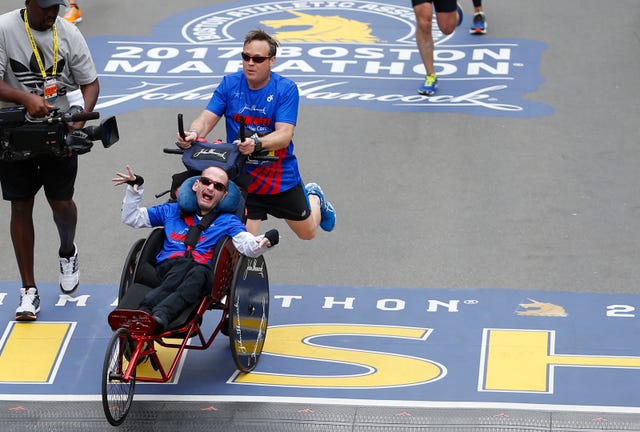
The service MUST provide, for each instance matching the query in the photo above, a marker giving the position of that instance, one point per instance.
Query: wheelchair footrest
(135, 321)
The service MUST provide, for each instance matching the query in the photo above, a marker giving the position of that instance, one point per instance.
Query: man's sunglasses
(216, 185)
(256, 59)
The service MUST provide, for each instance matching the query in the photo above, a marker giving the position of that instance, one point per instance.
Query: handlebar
(172, 151)
(181, 126)
(241, 134)
(261, 156)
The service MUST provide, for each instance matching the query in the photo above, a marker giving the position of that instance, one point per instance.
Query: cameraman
(42, 58)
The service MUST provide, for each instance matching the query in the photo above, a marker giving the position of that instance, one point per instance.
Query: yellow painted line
(518, 360)
(32, 352)
(524, 361)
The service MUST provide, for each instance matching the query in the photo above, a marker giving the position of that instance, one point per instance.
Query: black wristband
(138, 181)
(257, 142)
(273, 236)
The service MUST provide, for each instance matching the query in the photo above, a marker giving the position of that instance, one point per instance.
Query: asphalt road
(424, 199)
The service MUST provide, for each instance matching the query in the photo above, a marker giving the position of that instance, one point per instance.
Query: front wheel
(248, 312)
(117, 393)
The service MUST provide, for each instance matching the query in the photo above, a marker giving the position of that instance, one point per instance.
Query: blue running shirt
(176, 228)
(276, 102)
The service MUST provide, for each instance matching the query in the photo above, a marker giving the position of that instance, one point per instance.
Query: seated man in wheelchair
(184, 269)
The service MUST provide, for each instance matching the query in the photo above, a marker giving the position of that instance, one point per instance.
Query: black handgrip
(172, 151)
(181, 126)
(241, 135)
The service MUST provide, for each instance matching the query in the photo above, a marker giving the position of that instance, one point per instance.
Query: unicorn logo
(320, 28)
(536, 308)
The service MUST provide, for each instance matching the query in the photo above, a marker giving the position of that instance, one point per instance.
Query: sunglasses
(216, 185)
(256, 59)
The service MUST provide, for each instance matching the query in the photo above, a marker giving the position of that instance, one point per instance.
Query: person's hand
(189, 137)
(262, 242)
(37, 106)
(268, 239)
(246, 147)
(76, 125)
(129, 178)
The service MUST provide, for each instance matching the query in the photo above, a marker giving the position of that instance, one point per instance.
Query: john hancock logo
(351, 53)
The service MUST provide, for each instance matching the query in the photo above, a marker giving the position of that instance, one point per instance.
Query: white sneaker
(29, 304)
(69, 273)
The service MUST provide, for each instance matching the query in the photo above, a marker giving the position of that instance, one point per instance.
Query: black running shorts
(292, 204)
(438, 5)
(21, 180)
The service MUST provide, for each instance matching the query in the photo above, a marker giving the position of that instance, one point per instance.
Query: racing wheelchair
(240, 290)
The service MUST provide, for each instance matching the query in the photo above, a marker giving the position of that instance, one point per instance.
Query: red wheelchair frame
(240, 289)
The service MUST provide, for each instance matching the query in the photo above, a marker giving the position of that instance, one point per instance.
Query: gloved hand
(273, 236)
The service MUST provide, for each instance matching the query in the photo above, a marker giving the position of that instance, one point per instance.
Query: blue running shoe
(460, 13)
(328, 221)
(327, 212)
(479, 25)
(430, 85)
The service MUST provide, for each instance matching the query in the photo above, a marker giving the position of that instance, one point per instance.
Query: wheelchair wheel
(117, 394)
(128, 271)
(248, 312)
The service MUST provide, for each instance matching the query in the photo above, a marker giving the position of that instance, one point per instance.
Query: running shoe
(479, 25)
(430, 85)
(327, 212)
(69, 273)
(73, 14)
(29, 304)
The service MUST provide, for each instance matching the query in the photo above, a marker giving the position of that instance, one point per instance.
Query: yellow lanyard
(43, 71)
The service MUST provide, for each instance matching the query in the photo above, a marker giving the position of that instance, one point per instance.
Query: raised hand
(129, 178)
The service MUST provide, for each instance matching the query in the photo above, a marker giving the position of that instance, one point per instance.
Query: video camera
(23, 137)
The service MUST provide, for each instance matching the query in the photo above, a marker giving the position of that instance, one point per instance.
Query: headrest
(188, 202)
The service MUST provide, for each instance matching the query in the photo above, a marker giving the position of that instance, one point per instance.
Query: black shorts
(21, 180)
(292, 204)
(438, 5)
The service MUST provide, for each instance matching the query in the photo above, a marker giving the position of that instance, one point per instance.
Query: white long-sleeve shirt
(139, 217)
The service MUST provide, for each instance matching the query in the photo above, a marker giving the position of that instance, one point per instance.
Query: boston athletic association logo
(355, 53)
